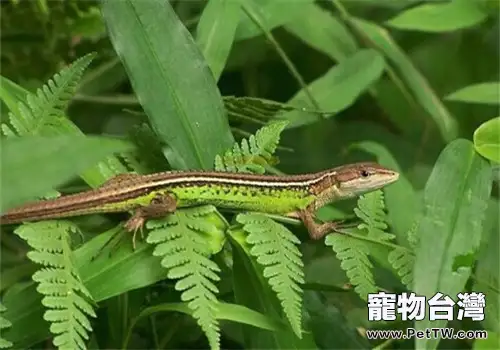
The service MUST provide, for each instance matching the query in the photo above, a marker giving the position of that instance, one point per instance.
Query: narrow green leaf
(416, 82)
(338, 88)
(485, 93)
(32, 166)
(323, 31)
(487, 271)
(487, 139)
(215, 32)
(440, 17)
(492, 342)
(455, 201)
(226, 311)
(11, 94)
(171, 80)
(275, 13)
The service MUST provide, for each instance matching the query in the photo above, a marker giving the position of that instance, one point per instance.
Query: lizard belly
(264, 199)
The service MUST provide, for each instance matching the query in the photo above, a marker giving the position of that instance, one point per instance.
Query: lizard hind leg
(160, 206)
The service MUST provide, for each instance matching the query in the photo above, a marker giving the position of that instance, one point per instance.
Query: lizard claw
(134, 224)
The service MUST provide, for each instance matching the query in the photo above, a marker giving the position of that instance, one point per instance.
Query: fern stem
(319, 287)
(372, 240)
(279, 50)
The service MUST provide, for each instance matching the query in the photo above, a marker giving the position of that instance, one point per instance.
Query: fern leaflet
(184, 241)
(257, 109)
(253, 154)
(39, 116)
(353, 255)
(275, 248)
(402, 260)
(4, 344)
(253, 109)
(371, 211)
(64, 293)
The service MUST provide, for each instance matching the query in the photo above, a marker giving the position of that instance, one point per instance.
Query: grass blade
(183, 103)
(455, 201)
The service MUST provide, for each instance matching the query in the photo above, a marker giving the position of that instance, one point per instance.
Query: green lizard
(156, 195)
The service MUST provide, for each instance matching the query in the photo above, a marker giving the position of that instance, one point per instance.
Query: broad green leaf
(413, 79)
(440, 17)
(171, 80)
(487, 270)
(32, 166)
(449, 232)
(338, 88)
(487, 139)
(486, 93)
(492, 342)
(13, 94)
(323, 31)
(275, 13)
(215, 32)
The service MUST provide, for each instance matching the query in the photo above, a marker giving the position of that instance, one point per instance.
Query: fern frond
(64, 293)
(274, 247)
(254, 152)
(253, 109)
(4, 344)
(39, 115)
(148, 151)
(257, 109)
(183, 241)
(353, 255)
(402, 260)
(370, 209)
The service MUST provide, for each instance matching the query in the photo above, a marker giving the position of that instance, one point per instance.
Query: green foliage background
(412, 85)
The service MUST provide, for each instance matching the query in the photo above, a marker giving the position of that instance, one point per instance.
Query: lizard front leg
(316, 231)
(160, 206)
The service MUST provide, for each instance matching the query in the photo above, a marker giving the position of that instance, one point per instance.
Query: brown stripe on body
(128, 186)
(125, 187)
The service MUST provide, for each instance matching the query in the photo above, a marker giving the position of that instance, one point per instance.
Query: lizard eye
(364, 173)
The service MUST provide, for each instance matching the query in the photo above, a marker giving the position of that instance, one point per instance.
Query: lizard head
(355, 179)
